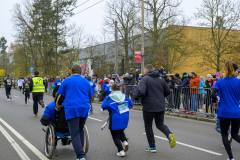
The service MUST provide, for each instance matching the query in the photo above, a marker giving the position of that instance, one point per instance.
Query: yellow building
(196, 46)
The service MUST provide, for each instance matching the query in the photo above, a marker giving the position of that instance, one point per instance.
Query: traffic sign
(31, 69)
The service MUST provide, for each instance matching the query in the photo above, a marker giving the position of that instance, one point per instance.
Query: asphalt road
(21, 136)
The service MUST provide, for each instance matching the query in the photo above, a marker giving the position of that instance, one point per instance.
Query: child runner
(118, 106)
(26, 91)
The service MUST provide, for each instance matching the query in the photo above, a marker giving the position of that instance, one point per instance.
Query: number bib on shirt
(59, 84)
(123, 108)
(91, 83)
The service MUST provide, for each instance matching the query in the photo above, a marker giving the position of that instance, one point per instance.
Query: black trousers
(118, 136)
(159, 120)
(76, 126)
(37, 96)
(224, 125)
(8, 91)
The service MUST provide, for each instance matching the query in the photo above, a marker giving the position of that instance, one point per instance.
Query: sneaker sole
(173, 141)
(121, 155)
(42, 103)
(152, 151)
(126, 148)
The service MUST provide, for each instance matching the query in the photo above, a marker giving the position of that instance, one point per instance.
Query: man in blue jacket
(77, 94)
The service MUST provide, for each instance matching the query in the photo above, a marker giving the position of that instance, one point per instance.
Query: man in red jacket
(194, 91)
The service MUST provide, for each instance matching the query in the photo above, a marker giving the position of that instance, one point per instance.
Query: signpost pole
(142, 46)
(116, 48)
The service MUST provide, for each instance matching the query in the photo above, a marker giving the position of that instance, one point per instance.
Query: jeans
(76, 126)
(159, 121)
(194, 102)
(217, 126)
(26, 98)
(91, 108)
(49, 87)
(185, 101)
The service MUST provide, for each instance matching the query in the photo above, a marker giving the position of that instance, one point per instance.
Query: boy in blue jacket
(118, 106)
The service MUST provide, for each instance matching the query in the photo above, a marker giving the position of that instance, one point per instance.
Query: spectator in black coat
(153, 90)
(129, 82)
(185, 91)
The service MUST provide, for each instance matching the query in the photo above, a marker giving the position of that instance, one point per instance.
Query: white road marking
(190, 146)
(16, 96)
(95, 119)
(29, 145)
(19, 150)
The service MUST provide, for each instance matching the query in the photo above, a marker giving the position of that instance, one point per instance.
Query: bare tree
(221, 17)
(127, 15)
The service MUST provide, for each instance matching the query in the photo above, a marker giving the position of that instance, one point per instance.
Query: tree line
(44, 41)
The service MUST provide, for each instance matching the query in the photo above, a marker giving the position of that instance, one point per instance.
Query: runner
(77, 94)
(229, 111)
(8, 86)
(118, 106)
(94, 87)
(153, 90)
(37, 89)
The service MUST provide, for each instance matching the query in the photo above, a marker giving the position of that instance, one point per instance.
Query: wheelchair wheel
(49, 144)
(86, 140)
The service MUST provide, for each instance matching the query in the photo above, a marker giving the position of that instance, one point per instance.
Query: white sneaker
(102, 110)
(121, 154)
(177, 110)
(231, 159)
(8, 100)
(125, 145)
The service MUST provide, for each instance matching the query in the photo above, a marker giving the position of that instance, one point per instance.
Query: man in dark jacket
(153, 90)
(132, 72)
(129, 82)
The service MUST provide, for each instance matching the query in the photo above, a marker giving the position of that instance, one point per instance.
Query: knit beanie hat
(218, 74)
(176, 75)
(185, 74)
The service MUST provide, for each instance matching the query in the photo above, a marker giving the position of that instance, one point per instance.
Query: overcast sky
(91, 19)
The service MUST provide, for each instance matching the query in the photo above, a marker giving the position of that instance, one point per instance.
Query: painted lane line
(19, 150)
(29, 145)
(95, 119)
(16, 96)
(190, 146)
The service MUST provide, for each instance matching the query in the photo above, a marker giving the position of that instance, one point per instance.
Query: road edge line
(28, 144)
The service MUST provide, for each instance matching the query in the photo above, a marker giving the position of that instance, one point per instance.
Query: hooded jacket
(118, 106)
(153, 90)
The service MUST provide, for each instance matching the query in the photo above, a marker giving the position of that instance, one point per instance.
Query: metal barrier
(191, 101)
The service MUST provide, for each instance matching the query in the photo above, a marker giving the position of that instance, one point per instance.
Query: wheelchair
(58, 130)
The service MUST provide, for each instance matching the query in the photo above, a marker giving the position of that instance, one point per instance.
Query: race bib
(9, 82)
(59, 84)
(123, 108)
(110, 89)
(91, 83)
